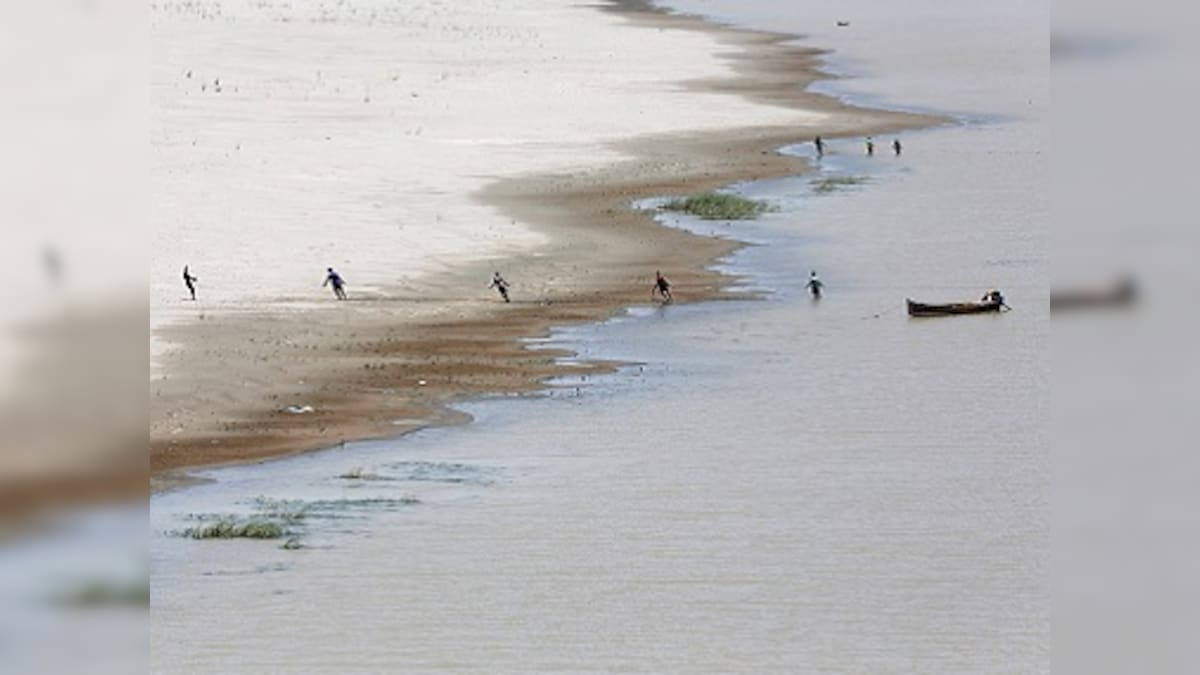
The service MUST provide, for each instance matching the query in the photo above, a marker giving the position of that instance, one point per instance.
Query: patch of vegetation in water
(272, 521)
(443, 472)
(368, 503)
(287, 511)
(361, 474)
(284, 518)
(104, 593)
(719, 206)
(230, 528)
(828, 184)
(298, 510)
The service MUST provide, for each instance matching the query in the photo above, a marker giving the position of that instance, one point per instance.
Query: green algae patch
(828, 184)
(719, 206)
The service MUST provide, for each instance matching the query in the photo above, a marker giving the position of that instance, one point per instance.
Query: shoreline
(384, 365)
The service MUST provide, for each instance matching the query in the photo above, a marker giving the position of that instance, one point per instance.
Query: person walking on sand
(870, 147)
(662, 286)
(500, 285)
(820, 146)
(814, 285)
(339, 284)
(189, 281)
(896, 147)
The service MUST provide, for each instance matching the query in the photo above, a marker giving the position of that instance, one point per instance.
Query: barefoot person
(814, 285)
(500, 285)
(896, 147)
(661, 286)
(870, 147)
(338, 283)
(820, 146)
(189, 281)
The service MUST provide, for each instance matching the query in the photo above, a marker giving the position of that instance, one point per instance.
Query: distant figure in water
(662, 286)
(814, 284)
(188, 280)
(339, 284)
(820, 146)
(896, 147)
(500, 285)
(870, 147)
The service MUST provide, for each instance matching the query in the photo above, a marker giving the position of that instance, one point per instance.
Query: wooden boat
(923, 309)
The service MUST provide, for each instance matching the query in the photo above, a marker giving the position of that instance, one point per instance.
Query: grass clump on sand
(228, 528)
(718, 206)
(829, 184)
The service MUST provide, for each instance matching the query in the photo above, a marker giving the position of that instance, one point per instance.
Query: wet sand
(390, 359)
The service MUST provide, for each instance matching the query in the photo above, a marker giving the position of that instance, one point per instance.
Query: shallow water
(774, 485)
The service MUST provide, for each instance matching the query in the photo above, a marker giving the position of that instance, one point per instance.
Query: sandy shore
(390, 360)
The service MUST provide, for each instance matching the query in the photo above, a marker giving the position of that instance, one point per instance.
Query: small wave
(1011, 262)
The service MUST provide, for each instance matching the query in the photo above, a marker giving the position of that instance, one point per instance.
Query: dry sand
(390, 359)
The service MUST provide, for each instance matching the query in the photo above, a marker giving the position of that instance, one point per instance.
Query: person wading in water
(814, 285)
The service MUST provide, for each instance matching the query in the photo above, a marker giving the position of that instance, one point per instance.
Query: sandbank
(393, 357)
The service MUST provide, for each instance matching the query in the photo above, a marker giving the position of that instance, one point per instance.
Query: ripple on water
(443, 472)
(419, 471)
